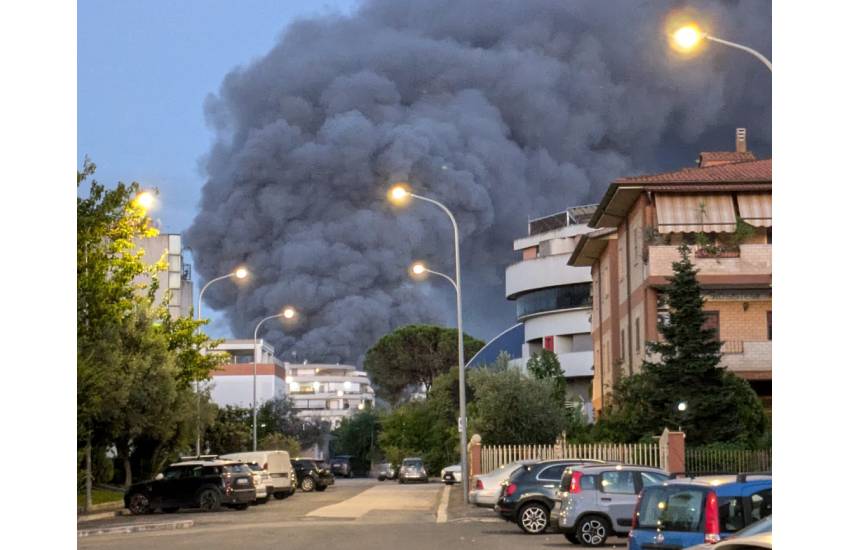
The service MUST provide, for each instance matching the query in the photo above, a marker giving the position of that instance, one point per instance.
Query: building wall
(237, 390)
(169, 247)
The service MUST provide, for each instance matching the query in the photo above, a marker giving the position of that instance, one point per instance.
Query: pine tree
(686, 368)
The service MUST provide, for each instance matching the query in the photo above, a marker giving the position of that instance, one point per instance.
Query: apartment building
(233, 382)
(328, 392)
(722, 208)
(176, 278)
(553, 298)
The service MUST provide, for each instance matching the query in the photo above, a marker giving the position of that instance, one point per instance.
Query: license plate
(241, 481)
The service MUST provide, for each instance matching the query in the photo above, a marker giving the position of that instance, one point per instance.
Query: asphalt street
(353, 514)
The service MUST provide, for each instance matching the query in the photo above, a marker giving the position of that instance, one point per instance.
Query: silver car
(412, 469)
(485, 488)
(597, 501)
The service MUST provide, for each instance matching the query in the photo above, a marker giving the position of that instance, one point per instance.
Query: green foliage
(279, 442)
(231, 431)
(743, 232)
(185, 341)
(512, 408)
(720, 406)
(279, 415)
(544, 365)
(414, 355)
(357, 436)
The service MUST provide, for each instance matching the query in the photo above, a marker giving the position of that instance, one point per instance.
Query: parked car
(753, 542)
(412, 469)
(341, 466)
(207, 484)
(451, 474)
(262, 482)
(685, 512)
(277, 464)
(598, 501)
(485, 488)
(311, 476)
(529, 497)
(761, 527)
(387, 471)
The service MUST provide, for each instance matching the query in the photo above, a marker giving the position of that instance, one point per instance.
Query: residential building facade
(553, 299)
(328, 392)
(233, 382)
(176, 278)
(722, 210)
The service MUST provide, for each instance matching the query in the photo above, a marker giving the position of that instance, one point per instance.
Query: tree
(514, 409)
(358, 436)
(279, 442)
(544, 365)
(720, 406)
(278, 415)
(231, 431)
(414, 355)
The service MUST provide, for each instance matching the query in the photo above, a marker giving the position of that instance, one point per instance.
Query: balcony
(752, 266)
(543, 273)
(576, 363)
(750, 360)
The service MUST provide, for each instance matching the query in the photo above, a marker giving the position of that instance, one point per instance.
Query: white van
(278, 466)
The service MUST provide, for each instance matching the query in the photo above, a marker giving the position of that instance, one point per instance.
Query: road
(353, 514)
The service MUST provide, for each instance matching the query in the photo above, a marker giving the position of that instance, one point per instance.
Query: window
(671, 508)
(731, 514)
(651, 478)
(637, 335)
(549, 343)
(622, 344)
(770, 325)
(618, 482)
(588, 483)
(761, 504)
(552, 473)
(173, 473)
(554, 298)
(712, 322)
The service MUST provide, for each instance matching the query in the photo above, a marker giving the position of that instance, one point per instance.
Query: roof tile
(734, 172)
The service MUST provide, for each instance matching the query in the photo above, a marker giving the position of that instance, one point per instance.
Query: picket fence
(707, 460)
(645, 454)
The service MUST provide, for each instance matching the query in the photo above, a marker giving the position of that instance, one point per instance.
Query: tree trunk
(88, 475)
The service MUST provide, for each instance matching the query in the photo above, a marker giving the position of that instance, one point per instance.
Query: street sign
(460, 424)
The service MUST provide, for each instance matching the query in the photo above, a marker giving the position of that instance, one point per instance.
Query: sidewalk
(460, 512)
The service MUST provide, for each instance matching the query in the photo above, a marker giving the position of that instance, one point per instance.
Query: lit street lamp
(681, 407)
(400, 194)
(288, 313)
(688, 37)
(240, 273)
(145, 200)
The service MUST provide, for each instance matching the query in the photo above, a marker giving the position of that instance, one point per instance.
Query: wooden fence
(645, 454)
(707, 460)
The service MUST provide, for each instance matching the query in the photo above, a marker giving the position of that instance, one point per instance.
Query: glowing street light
(682, 406)
(687, 37)
(287, 313)
(240, 273)
(400, 194)
(145, 200)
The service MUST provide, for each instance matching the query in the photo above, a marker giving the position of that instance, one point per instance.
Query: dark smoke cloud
(501, 109)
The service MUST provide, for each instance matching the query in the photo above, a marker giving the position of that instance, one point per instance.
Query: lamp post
(400, 194)
(688, 37)
(240, 273)
(288, 313)
(681, 407)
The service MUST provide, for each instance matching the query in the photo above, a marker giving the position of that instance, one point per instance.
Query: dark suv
(204, 484)
(310, 475)
(530, 496)
(341, 466)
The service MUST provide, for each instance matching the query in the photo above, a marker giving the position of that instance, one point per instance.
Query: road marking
(442, 511)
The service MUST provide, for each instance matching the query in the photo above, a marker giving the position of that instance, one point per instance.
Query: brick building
(722, 208)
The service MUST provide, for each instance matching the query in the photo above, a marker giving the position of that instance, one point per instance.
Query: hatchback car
(597, 501)
(310, 476)
(204, 484)
(685, 512)
(485, 488)
(451, 474)
(529, 497)
(412, 469)
(386, 471)
(341, 466)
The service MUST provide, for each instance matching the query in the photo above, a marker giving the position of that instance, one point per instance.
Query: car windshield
(672, 508)
(308, 464)
(412, 463)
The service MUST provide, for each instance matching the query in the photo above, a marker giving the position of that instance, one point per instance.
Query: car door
(167, 489)
(618, 490)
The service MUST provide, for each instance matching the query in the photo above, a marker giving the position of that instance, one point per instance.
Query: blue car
(681, 513)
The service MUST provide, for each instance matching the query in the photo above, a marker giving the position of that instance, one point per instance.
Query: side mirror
(159, 476)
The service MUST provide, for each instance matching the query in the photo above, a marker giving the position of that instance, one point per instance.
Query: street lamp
(145, 200)
(681, 407)
(287, 313)
(400, 194)
(688, 37)
(240, 273)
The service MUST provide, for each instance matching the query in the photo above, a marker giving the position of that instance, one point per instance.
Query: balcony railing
(754, 259)
(749, 357)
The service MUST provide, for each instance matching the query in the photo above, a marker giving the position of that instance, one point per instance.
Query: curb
(135, 528)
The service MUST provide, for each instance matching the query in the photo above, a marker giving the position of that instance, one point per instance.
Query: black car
(529, 497)
(310, 475)
(204, 484)
(341, 466)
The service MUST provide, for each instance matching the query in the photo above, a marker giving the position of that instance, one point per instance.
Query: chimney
(741, 140)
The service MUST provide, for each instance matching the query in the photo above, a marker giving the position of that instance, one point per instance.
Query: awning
(756, 208)
(694, 213)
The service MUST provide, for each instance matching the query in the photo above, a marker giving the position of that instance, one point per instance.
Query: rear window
(255, 467)
(671, 508)
(412, 463)
(552, 473)
(237, 469)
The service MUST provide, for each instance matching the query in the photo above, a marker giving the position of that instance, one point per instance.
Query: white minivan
(278, 466)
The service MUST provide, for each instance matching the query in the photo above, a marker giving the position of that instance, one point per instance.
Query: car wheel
(209, 500)
(138, 503)
(592, 530)
(307, 484)
(170, 510)
(382, 478)
(572, 538)
(533, 518)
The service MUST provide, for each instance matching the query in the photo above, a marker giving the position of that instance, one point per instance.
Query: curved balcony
(553, 299)
(542, 273)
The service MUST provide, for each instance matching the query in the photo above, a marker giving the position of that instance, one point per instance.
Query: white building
(553, 298)
(328, 392)
(177, 276)
(233, 382)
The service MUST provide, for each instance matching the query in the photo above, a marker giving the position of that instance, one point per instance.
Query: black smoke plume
(501, 109)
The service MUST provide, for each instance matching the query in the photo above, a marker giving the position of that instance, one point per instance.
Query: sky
(143, 75)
